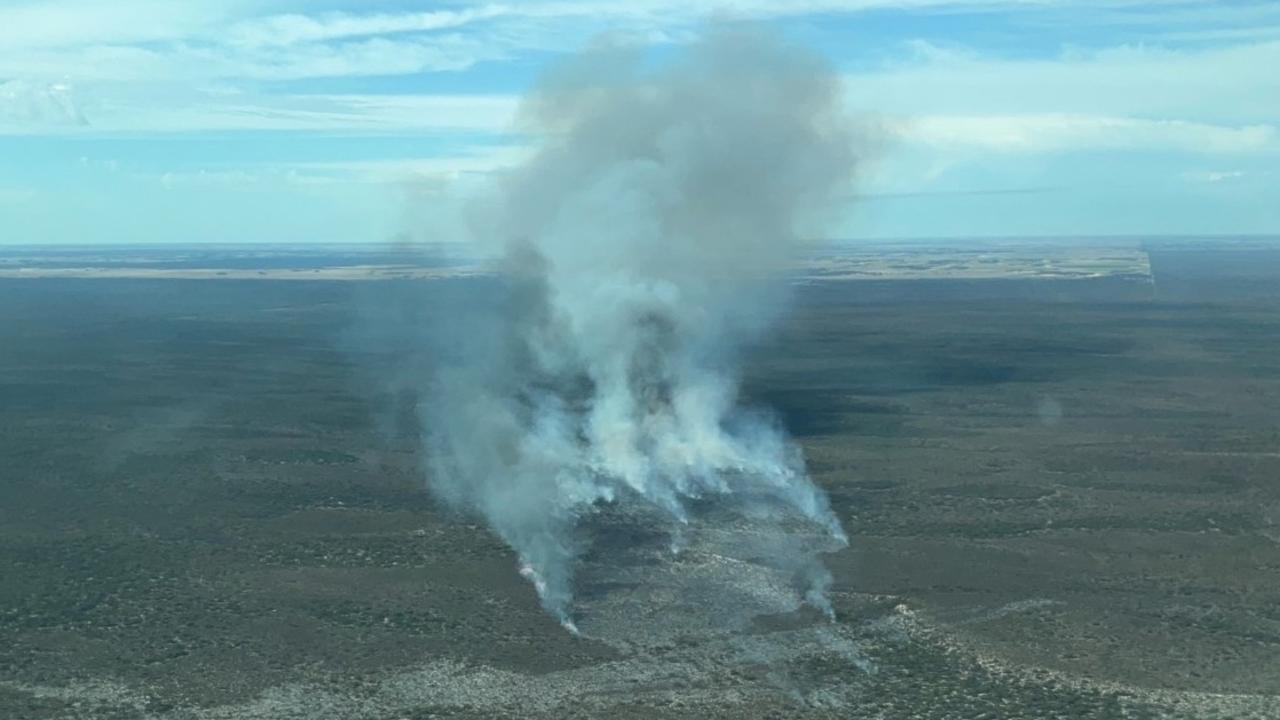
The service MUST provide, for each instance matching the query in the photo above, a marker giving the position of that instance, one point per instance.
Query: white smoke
(643, 244)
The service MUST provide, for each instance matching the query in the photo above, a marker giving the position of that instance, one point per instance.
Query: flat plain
(1062, 493)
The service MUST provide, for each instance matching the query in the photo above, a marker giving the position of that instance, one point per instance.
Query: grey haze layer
(642, 245)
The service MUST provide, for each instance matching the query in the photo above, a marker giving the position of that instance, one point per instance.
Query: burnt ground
(1063, 500)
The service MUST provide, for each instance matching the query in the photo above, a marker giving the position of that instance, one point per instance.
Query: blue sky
(281, 120)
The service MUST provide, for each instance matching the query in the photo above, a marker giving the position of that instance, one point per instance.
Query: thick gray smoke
(643, 244)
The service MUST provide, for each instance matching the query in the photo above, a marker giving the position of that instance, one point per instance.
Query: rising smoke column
(643, 244)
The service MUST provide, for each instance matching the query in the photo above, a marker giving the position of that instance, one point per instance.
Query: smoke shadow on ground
(402, 331)
(834, 381)
(811, 413)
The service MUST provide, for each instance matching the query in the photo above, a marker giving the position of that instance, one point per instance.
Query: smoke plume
(642, 245)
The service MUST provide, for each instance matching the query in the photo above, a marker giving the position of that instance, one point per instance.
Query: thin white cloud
(480, 160)
(51, 24)
(1221, 99)
(1235, 84)
(1258, 33)
(210, 63)
(1213, 176)
(1061, 133)
(139, 39)
(1160, 18)
(401, 172)
(488, 114)
(16, 195)
(293, 29)
(480, 113)
(249, 179)
(24, 103)
(142, 57)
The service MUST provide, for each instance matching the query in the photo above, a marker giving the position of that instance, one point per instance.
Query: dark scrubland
(1063, 499)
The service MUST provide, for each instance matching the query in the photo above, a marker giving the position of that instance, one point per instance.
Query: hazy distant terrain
(1056, 462)
(235, 262)
(976, 259)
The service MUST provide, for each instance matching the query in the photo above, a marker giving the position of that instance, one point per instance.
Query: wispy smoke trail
(643, 244)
